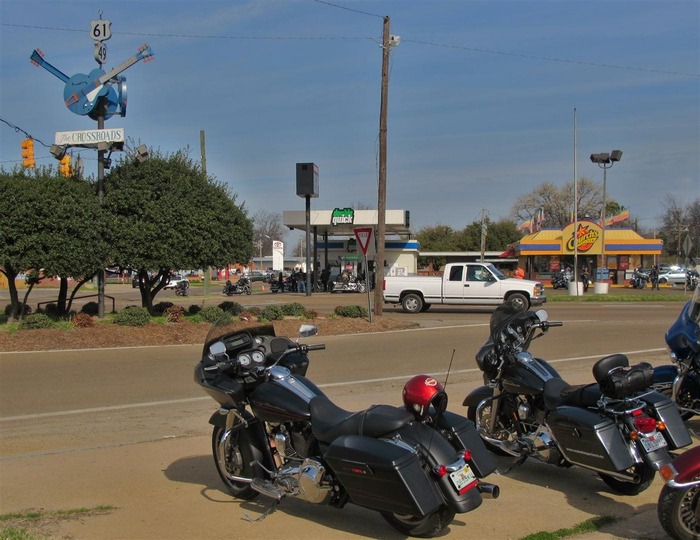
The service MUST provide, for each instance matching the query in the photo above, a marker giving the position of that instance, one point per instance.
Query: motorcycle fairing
(589, 439)
(665, 410)
(683, 337)
(383, 476)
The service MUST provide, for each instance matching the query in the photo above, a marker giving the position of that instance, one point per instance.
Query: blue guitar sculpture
(82, 91)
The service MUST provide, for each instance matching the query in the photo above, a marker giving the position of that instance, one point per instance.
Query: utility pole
(203, 153)
(381, 202)
(483, 233)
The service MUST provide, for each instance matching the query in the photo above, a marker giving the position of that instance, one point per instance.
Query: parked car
(256, 275)
(677, 277)
(174, 280)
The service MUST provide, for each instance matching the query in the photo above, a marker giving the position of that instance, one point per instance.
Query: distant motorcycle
(681, 381)
(242, 286)
(679, 501)
(182, 288)
(560, 280)
(356, 285)
(286, 286)
(692, 279)
(639, 280)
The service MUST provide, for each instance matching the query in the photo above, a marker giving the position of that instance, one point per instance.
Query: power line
(550, 59)
(18, 129)
(347, 8)
(351, 38)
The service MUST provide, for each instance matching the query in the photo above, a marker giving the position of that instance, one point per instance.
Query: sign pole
(363, 235)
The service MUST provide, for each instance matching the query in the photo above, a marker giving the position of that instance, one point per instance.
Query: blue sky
(481, 95)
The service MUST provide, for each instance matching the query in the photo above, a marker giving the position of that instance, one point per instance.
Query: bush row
(225, 313)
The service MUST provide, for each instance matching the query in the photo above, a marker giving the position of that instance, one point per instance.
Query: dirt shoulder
(104, 335)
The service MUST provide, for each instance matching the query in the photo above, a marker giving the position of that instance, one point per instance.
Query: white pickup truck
(478, 284)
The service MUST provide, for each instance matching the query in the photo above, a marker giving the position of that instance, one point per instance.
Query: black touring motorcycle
(277, 434)
(619, 427)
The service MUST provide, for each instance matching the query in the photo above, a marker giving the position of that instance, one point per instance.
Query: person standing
(654, 277)
(585, 278)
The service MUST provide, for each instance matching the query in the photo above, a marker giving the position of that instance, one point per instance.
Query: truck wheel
(412, 303)
(518, 301)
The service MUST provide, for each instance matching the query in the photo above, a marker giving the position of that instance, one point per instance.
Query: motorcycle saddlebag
(462, 434)
(665, 410)
(383, 476)
(589, 439)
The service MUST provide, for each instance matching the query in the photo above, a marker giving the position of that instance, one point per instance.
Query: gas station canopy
(343, 221)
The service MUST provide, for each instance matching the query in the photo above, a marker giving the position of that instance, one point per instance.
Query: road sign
(363, 235)
(90, 137)
(101, 30)
(100, 53)
(687, 245)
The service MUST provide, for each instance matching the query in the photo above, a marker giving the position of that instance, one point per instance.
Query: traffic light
(28, 153)
(64, 166)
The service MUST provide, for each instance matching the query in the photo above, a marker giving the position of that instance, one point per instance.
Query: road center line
(327, 385)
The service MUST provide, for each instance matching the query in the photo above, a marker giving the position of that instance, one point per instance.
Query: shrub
(234, 308)
(194, 309)
(83, 320)
(160, 307)
(35, 320)
(91, 308)
(215, 315)
(246, 316)
(353, 312)
(133, 316)
(310, 314)
(51, 309)
(8, 309)
(255, 310)
(293, 310)
(174, 314)
(272, 313)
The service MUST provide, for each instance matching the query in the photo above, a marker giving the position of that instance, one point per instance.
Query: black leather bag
(626, 381)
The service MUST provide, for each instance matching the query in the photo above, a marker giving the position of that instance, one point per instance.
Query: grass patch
(28, 525)
(620, 297)
(590, 525)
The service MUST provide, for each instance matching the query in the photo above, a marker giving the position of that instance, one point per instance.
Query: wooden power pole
(381, 202)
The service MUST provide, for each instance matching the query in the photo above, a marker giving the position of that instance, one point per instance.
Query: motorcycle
(286, 286)
(182, 288)
(679, 501)
(639, 279)
(560, 279)
(681, 381)
(242, 286)
(692, 278)
(356, 284)
(618, 427)
(277, 434)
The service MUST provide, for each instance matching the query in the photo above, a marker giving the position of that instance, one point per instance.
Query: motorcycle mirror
(217, 348)
(308, 330)
(541, 315)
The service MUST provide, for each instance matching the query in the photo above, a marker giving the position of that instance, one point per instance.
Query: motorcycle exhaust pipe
(488, 491)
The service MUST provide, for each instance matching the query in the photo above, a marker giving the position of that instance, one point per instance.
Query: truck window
(477, 273)
(456, 273)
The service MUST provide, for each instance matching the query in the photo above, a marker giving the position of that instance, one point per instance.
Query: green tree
(49, 226)
(170, 215)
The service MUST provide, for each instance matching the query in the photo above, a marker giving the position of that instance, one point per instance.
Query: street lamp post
(605, 161)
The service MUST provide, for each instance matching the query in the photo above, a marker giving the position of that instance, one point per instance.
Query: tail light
(644, 424)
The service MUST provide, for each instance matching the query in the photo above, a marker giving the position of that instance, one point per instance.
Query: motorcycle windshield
(683, 337)
(505, 316)
(228, 332)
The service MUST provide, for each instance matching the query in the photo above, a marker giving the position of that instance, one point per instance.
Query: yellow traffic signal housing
(65, 167)
(28, 153)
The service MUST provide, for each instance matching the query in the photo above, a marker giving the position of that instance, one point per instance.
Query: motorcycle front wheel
(679, 512)
(421, 527)
(233, 460)
(646, 477)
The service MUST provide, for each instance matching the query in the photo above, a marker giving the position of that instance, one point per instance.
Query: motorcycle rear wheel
(421, 526)
(237, 463)
(646, 477)
(679, 512)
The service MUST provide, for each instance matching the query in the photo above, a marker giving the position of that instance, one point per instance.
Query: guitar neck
(117, 70)
(38, 60)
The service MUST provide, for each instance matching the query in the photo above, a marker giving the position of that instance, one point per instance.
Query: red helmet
(420, 392)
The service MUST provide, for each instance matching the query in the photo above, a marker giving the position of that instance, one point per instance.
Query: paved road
(128, 427)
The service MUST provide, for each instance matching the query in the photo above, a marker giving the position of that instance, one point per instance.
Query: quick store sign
(342, 216)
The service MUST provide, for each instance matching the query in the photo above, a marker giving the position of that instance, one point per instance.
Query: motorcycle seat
(558, 392)
(328, 421)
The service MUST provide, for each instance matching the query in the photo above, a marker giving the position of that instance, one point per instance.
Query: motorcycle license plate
(462, 478)
(653, 441)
